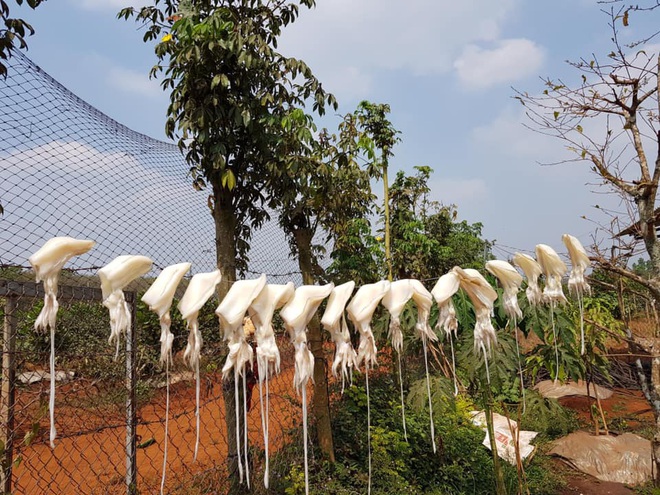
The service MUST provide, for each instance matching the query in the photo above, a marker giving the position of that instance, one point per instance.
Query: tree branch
(605, 173)
(624, 272)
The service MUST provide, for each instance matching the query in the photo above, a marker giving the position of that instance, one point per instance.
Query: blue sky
(446, 68)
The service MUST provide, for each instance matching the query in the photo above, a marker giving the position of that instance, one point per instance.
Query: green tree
(427, 241)
(372, 119)
(229, 92)
(356, 253)
(14, 32)
(320, 188)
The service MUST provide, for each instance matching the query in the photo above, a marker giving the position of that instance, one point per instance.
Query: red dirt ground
(95, 462)
(578, 483)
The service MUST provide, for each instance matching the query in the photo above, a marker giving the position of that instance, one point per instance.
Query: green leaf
(228, 179)
(146, 443)
(245, 114)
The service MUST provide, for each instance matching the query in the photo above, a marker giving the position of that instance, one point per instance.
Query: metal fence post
(131, 416)
(8, 391)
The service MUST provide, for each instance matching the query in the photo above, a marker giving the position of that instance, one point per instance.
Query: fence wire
(89, 456)
(66, 169)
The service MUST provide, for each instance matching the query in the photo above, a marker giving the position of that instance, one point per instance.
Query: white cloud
(71, 157)
(134, 82)
(510, 60)
(72, 188)
(424, 37)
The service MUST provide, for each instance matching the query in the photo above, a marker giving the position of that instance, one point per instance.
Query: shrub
(548, 417)
(461, 465)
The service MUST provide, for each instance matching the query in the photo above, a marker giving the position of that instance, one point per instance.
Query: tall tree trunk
(386, 210)
(652, 392)
(646, 210)
(225, 248)
(320, 401)
(225, 243)
(655, 401)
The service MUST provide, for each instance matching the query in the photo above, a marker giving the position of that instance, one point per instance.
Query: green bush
(461, 465)
(548, 417)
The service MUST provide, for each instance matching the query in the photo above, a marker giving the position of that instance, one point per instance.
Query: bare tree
(609, 119)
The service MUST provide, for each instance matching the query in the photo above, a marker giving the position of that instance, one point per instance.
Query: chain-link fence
(100, 398)
(66, 169)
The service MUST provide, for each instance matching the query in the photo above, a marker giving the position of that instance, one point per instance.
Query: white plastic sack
(505, 432)
(552, 390)
(622, 459)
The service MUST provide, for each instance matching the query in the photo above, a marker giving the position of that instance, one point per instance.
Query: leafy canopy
(13, 32)
(231, 92)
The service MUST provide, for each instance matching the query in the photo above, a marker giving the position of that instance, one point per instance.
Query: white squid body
(510, 280)
(553, 269)
(577, 283)
(442, 292)
(114, 277)
(47, 263)
(360, 310)
(261, 312)
(334, 321)
(296, 315)
(231, 313)
(483, 298)
(446, 286)
(394, 301)
(200, 288)
(532, 271)
(159, 299)
(423, 300)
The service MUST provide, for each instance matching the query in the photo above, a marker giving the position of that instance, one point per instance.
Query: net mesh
(66, 169)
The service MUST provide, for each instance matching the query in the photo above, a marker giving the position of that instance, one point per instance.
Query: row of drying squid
(260, 300)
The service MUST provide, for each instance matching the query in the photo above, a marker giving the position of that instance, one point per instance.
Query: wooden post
(8, 391)
(131, 406)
